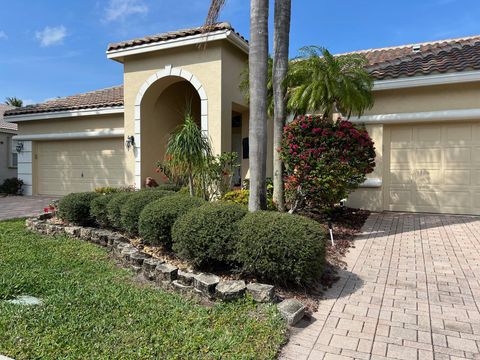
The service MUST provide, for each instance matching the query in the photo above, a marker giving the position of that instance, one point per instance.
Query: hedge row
(271, 246)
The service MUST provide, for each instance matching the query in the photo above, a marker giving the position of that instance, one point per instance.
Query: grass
(94, 310)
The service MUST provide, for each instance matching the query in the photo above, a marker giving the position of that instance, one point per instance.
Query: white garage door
(79, 165)
(434, 168)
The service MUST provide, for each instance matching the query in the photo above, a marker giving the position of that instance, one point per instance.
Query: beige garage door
(79, 165)
(434, 168)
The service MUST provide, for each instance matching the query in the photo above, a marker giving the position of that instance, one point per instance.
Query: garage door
(80, 165)
(434, 168)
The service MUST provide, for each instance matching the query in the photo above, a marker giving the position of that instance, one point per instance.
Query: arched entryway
(159, 108)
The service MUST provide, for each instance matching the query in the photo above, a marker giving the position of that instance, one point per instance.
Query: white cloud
(51, 35)
(3, 35)
(121, 9)
(27, 102)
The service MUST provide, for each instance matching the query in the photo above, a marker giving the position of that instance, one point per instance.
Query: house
(8, 154)
(425, 122)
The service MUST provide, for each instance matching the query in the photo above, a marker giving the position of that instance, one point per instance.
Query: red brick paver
(12, 207)
(411, 291)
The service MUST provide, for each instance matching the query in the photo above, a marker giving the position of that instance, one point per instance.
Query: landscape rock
(261, 292)
(291, 310)
(230, 289)
(100, 237)
(72, 230)
(181, 288)
(185, 277)
(165, 272)
(127, 252)
(86, 233)
(148, 267)
(206, 283)
(138, 258)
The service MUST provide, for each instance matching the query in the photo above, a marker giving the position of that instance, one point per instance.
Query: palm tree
(280, 68)
(258, 78)
(188, 149)
(14, 101)
(319, 82)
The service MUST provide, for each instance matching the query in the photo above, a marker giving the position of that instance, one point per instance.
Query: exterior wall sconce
(130, 142)
(19, 147)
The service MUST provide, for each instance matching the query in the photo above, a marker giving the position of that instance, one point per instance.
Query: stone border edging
(166, 275)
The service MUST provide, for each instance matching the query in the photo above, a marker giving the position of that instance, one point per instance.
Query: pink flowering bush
(324, 160)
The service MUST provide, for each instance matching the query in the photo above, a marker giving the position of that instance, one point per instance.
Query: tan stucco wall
(73, 124)
(431, 98)
(5, 171)
(372, 198)
(203, 63)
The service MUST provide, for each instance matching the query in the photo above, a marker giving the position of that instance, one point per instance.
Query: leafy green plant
(280, 247)
(324, 160)
(215, 178)
(133, 206)
(206, 235)
(157, 218)
(75, 208)
(98, 209)
(240, 196)
(12, 186)
(110, 189)
(321, 83)
(188, 148)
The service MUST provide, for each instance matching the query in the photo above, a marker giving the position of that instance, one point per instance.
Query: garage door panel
(81, 165)
(437, 170)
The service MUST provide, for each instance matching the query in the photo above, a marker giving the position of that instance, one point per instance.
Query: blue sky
(54, 48)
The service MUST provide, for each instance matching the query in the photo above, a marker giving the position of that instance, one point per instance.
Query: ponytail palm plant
(188, 150)
(319, 82)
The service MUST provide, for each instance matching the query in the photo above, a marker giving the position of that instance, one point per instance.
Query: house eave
(120, 54)
(65, 114)
(416, 117)
(427, 80)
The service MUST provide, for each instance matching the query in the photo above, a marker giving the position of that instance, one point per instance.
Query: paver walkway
(412, 291)
(12, 207)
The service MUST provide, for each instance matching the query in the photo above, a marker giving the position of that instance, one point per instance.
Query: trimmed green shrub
(114, 206)
(157, 218)
(168, 187)
(75, 208)
(133, 206)
(281, 247)
(98, 209)
(207, 235)
(12, 186)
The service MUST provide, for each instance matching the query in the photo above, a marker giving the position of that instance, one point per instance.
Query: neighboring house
(8, 154)
(425, 122)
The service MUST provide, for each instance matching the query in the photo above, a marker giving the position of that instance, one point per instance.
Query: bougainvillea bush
(324, 160)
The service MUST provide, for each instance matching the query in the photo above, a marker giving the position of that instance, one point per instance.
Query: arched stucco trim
(168, 71)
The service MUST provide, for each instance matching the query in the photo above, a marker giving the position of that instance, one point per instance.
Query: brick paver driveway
(412, 291)
(22, 206)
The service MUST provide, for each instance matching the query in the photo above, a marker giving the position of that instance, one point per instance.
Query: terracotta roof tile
(109, 97)
(169, 36)
(3, 124)
(441, 56)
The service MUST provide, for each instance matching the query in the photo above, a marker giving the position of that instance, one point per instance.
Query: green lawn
(93, 310)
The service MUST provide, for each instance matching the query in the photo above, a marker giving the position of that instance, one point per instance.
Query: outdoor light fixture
(130, 142)
(19, 147)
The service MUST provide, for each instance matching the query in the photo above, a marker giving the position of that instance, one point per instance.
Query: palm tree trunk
(258, 72)
(280, 68)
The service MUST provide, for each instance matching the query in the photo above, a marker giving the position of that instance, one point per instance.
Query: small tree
(324, 160)
(188, 150)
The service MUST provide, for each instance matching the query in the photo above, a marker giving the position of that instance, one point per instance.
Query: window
(12, 153)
